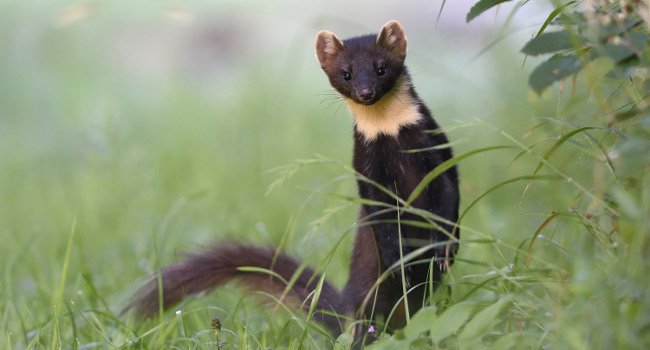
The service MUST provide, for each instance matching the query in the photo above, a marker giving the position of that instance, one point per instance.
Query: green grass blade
(75, 332)
(552, 150)
(312, 307)
(444, 166)
(504, 183)
(569, 179)
(478, 287)
(537, 232)
(401, 267)
(262, 270)
(552, 16)
(159, 280)
(442, 6)
(58, 298)
(608, 160)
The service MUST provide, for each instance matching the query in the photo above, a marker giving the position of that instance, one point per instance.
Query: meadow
(131, 133)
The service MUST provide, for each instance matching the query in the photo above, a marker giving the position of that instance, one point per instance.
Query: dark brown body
(394, 135)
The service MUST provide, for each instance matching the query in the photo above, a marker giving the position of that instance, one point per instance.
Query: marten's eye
(346, 75)
(381, 71)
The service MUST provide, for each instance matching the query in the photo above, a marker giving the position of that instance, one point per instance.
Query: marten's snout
(365, 94)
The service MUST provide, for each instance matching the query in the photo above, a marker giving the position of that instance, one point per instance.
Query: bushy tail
(220, 264)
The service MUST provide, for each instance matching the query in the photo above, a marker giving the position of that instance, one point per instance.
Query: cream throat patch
(395, 109)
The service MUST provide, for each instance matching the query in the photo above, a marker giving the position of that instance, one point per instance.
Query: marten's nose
(365, 94)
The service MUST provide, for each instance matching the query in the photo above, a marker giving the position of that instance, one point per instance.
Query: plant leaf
(482, 322)
(344, 341)
(548, 43)
(450, 321)
(556, 68)
(390, 344)
(634, 43)
(616, 28)
(420, 322)
(507, 341)
(480, 7)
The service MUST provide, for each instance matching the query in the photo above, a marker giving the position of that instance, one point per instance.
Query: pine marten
(394, 148)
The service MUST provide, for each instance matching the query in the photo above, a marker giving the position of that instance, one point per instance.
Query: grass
(116, 157)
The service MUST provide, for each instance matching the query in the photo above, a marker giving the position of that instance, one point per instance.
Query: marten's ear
(393, 37)
(328, 45)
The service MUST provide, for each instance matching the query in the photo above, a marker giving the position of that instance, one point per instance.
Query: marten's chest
(396, 163)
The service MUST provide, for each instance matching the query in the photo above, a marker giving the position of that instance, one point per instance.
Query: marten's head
(363, 68)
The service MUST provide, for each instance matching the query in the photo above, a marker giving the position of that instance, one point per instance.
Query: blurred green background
(136, 131)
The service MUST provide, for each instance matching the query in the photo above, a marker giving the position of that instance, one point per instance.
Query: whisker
(338, 108)
(333, 102)
(331, 99)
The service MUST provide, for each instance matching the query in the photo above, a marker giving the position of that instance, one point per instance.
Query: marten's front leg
(368, 302)
(383, 223)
